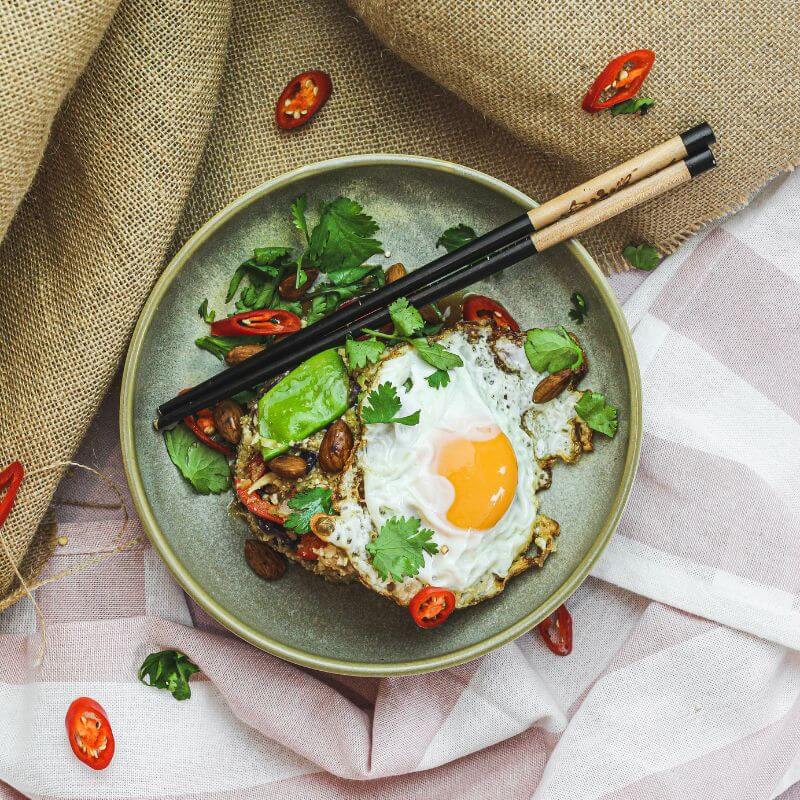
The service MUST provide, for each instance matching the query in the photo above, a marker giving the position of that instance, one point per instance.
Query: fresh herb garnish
(456, 237)
(343, 236)
(551, 350)
(636, 105)
(206, 469)
(434, 354)
(305, 505)
(170, 670)
(438, 379)
(596, 413)
(220, 346)
(579, 307)
(642, 256)
(398, 549)
(384, 404)
(363, 352)
(206, 315)
(299, 215)
(407, 320)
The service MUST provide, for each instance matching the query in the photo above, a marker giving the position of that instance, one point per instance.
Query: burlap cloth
(124, 125)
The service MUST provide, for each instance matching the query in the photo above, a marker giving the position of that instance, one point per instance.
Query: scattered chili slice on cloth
(303, 96)
(431, 606)
(619, 81)
(556, 631)
(256, 504)
(90, 733)
(264, 322)
(478, 308)
(10, 480)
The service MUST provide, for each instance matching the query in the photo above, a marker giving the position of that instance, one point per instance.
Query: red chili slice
(10, 480)
(431, 606)
(478, 308)
(304, 95)
(619, 81)
(556, 631)
(193, 425)
(308, 545)
(256, 504)
(90, 733)
(264, 322)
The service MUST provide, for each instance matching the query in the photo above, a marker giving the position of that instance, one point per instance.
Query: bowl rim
(297, 655)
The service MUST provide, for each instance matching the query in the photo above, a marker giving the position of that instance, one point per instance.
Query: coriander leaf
(579, 308)
(434, 354)
(438, 379)
(551, 350)
(287, 305)
(398, 549)
(206, 315)
(361, 353)
(407, 384)
(642, 256)
(306, 504)
(596, 413)
(343, 236)
(407, 320)
(220, 346)
(321, 306)
(236, 279)
(432, 330)
(348, 275)
(170, 670)
(268, 256)
(635, 105)
(456, 237)
(299, 215)
(300, 276)
(383, 405)
(206, 469)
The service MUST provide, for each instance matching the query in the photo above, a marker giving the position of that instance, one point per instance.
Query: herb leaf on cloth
(398, 549)
(636, 105)
(642, 256)
(456, 237)
(596, 413)
(343, 236)
(384, 404)
(305, 505)
(551, 350)
(170, 670)
(206, 469)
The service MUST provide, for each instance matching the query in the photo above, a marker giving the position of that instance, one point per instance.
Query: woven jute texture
(124, 125)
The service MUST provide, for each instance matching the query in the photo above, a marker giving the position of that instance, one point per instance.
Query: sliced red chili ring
(431, 606)
(89, 732)
(303, 96)
(256, 504)
(556, 631)
(478, 308)
(10, 480)
(619, 81)
(264, 322)
(308, 545)
(192, 424)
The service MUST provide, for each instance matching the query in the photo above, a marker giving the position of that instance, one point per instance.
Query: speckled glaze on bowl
(348, 629)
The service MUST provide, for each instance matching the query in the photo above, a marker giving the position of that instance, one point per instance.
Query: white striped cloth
(685, 677)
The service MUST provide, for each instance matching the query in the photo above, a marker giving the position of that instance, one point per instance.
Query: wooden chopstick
(440, 278)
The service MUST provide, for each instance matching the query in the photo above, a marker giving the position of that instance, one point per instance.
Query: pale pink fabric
(685, 677)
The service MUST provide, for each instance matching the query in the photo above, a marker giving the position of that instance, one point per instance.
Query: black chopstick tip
(697, 139)
(700, 162)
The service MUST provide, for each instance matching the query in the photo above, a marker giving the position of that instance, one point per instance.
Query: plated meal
(411, 458)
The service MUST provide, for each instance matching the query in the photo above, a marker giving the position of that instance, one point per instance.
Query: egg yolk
(484, 476)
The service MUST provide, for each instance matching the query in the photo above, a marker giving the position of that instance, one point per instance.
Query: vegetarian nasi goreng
(409, 459)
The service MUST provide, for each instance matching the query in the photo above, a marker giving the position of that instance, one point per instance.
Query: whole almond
(228, 419)
(263, 560)
(551, 387)
(288, 466)
(336, 447)
(287, 289)
(395, 272)
(244, 351)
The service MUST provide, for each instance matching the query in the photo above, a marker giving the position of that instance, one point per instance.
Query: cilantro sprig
(579, 308)
(636, 105)
(642, 256)
(170, 670)
(599, 415)
(382, 405)
(361, 353)
(305, 505)
(206, 315)
(456, 237)
(397, 551)
(206, 469)
(551, 350)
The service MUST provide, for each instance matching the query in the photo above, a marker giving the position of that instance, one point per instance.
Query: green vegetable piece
(220, 346)
(434, 354)
(313, 394)
(206, 315)
(636, 105)
(642, 256)
(269, 257)
(343, 236)
(299, 215)
(407, 320)
(206, 469)
(360, 353)
(306, 504)
(170, 670)
(438, 379)
(349, 275)
(596, 413)
(579, 308)
(384, 403)
(398, 549)
(456, 237)
(551, 350)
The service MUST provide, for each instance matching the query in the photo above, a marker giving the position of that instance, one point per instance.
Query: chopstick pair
(642, 178)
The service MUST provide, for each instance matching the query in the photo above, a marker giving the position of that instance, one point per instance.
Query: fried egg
(469, 470)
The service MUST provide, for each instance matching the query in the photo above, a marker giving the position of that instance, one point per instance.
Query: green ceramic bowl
(348, 629)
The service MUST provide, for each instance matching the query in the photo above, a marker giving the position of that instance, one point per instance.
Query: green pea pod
(307, 399)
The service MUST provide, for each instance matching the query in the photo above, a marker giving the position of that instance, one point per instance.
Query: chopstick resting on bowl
(642, 178)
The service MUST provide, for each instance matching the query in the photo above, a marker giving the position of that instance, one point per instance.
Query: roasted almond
(287, 289)
(228, 419)
(395, 272)
(244, 351)
(288, 466)
(263, 560)
(551, 387)
(336, 447)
